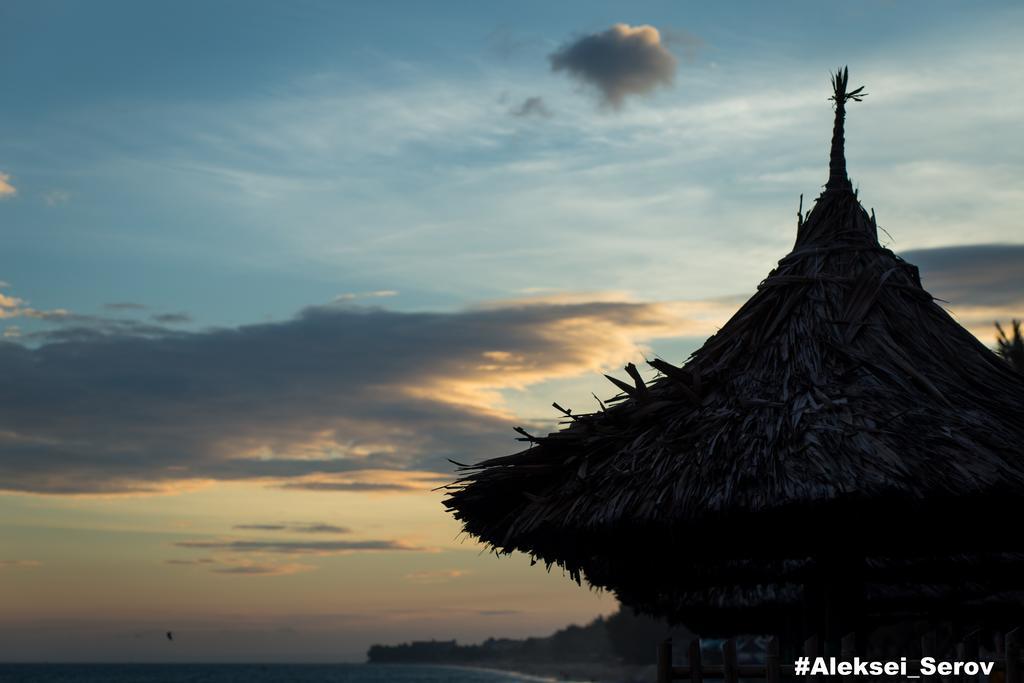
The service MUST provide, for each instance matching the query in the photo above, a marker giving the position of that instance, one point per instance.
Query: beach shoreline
(566, 672)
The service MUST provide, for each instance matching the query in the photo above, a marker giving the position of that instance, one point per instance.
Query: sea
(253, 673)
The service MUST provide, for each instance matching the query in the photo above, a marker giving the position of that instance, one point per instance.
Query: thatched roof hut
(840, 446)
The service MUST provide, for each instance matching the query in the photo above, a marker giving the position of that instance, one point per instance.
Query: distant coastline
(616, 649)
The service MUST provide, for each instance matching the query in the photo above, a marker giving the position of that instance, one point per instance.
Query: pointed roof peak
(838, 218)
(837, 178)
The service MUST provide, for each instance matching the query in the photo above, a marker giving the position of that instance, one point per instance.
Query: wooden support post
(1013, 673)
(811, 650)
(961, 655)
(928, 645)
(772, 669)
(971, 653)
(999, 675)
(696, 668)
(729, 663)
(665, 661)
(847, 650)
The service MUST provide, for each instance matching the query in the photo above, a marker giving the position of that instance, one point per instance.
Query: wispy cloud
(436, 576)
(19, 564)
(124, 306)
(7, 190)
(172, 318)
(243, 567)
(312, 528)
(55, 197)
(532, 106)
(351, 486)
(60, 324)
(196, 561)
(498, 612)
(16, 307)
(301, 547)
(377, 294)
(506, 43)
(687, 172)
(256, 569)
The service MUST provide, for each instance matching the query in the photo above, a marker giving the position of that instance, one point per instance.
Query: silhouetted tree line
(623, 637)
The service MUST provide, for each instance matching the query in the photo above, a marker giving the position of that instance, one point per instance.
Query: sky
(269, 267)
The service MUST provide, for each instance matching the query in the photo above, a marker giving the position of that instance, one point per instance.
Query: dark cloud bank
(976, 274)
(334, 391)
(311, 402)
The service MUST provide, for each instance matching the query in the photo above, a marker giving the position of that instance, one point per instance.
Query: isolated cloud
(19, 564)
(622, 61)
(6, 189)
(298, 547)
(532, 106)
(319, 400)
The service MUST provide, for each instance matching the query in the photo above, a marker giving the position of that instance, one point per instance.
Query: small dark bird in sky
(170, 636)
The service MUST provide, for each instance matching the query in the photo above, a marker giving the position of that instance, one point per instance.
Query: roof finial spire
(837, 178)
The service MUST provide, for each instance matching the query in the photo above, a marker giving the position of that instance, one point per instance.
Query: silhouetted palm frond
(1011, 347)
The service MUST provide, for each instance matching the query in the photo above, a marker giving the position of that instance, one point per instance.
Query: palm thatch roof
(841, 441)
